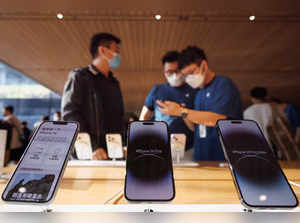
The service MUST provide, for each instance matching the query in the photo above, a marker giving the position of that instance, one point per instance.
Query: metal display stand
(248, 210)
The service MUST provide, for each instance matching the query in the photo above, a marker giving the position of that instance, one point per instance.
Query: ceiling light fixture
(60, 16)
(157, 17)
(252, 18)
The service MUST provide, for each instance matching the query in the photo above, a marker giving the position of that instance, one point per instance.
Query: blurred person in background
(16, 145)
(43, 118)
(92, 95)
(260, 110)
(132, 117)
(57, 116)
(128, 118)
(27, 133)
(175, 89)
(217, 98)
(292, 113)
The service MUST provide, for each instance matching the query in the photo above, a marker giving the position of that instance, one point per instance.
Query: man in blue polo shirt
(174, 90)
(217, 98)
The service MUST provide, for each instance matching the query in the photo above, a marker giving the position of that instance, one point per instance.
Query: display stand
(177, 150)
(223, 165)
(114, 157)
(148, 210)
(247, 210)
(47, 209)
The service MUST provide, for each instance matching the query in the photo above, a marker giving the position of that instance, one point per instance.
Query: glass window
(30, 99)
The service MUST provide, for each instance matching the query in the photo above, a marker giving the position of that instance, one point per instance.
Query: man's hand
(100, 154)
(169, 108)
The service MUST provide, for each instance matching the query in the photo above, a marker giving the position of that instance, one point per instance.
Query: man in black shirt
(92, 95)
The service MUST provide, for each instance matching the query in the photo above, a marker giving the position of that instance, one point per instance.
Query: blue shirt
(183, 95)
(293, 114)
(220, 96)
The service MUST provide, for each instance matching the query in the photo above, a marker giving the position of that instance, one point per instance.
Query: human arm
(146, 113)
(197, 117)
(72, 102)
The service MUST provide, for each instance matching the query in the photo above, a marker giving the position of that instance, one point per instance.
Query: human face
(170, 69)
(195, 75)
(5, 112)
(172, 74)
(191, 69)
(110, 51)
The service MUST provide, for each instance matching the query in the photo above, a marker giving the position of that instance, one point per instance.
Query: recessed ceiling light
(157, 17)
(60, 16)
(252, 17)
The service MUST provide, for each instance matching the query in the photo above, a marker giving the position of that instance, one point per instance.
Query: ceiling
(264, 52)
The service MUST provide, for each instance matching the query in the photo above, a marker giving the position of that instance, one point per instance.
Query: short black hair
(170, 57)
(9, 108)
(190, 55)
(259, 93)
(45, 118)
(101, 39)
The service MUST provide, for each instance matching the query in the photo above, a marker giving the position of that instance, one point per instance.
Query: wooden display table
(205, 184)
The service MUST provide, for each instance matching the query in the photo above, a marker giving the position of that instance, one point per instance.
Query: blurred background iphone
(178, 146)
(114, 146)
(149, 171)
(83, 147)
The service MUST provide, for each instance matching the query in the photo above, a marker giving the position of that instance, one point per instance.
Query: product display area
(98, 186)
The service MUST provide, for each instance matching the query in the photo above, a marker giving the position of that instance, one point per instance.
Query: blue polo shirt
(183, 95)
(293, 114)
(220, 96)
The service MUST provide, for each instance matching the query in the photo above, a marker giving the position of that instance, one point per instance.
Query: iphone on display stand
(39, 172)
(83, 147)
(114, 146)
(149, 170)
(178, 146)
(260, 182)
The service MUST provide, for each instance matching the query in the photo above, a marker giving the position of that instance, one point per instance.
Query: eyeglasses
(170, 72)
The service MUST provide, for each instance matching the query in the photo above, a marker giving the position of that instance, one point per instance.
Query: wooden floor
(206, 184)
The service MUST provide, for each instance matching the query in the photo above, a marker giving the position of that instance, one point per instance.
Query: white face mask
(194, 80)
(176, 80)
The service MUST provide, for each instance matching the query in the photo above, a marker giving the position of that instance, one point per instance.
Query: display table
(207, 184)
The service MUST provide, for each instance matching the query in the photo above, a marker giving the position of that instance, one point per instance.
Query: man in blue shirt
(174, 90)
(217, 98)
